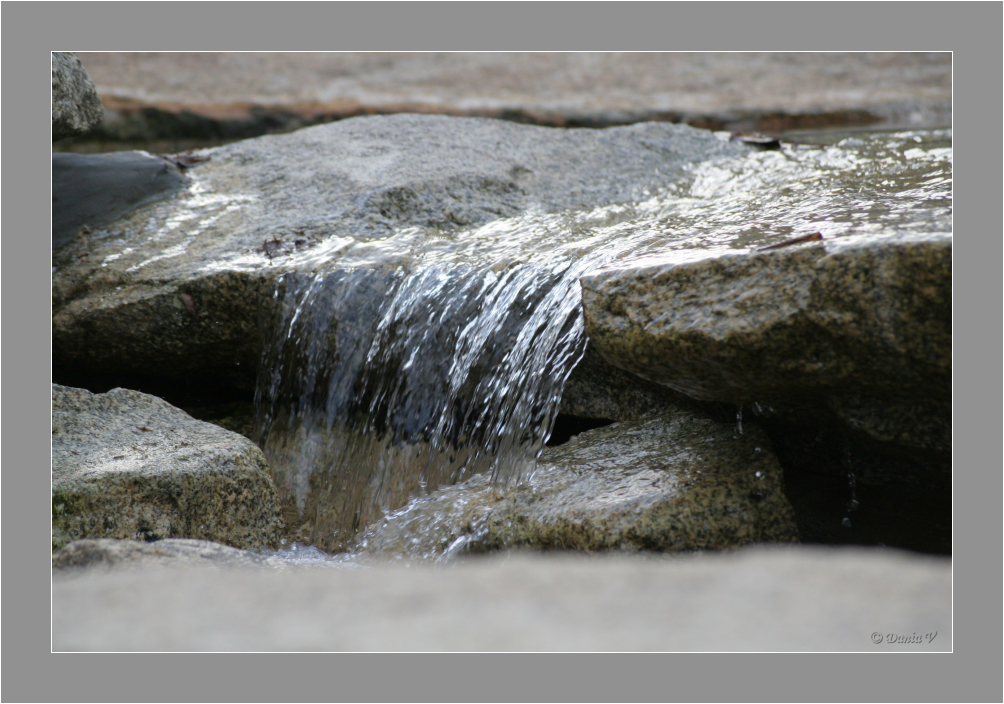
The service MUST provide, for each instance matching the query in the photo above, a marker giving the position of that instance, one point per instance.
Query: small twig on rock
(798, 240)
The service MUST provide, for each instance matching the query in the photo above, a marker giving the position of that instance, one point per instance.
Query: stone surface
(677, 482)
(76, 107)
(671, 483)
(95, 190)
(210, 95)
(864, 323)
(128, 465)
(777, 599)
(340, 191)
(597, 389)
(109, 554)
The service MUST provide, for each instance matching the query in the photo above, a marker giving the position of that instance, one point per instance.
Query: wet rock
(864, 326)
(435, 527)
(108, 554)
(754, 599)
(343, 190)
(673, 483)
(76, 107)
(131, 466)
(92, 190)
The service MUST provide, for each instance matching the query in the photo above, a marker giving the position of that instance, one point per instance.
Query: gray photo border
(971, 30)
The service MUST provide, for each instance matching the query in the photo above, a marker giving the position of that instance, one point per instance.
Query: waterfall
(378, 384)
(393, 366)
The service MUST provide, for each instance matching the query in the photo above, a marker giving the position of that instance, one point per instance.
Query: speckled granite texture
(866, 325)
(129, 465)
(677, 482)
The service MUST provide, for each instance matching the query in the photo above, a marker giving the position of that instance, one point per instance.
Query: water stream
(397, 366)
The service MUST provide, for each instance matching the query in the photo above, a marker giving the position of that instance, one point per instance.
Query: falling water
(393, 367)
(383, 382)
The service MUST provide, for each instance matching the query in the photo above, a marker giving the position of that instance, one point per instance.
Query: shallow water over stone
(397, 365)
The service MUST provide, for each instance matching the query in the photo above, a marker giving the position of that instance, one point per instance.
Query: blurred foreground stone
(201, 95)
(756, 599)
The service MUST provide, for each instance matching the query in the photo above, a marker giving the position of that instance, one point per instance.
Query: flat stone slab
(131, 466)
(755, 599)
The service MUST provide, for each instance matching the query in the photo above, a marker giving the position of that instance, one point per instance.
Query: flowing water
(397, 366)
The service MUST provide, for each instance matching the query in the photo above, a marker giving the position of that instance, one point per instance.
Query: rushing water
(397, 366)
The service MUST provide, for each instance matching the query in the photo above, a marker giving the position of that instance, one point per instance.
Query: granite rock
(131, 466)
(676, 482)
(340, 191)
(598, 390)
(673, 483)
(863, 325)
(76, 107)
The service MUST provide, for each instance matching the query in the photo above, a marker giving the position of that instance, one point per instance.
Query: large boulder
(131, 466)
(76, 107)
(175, 288)
(677, 482)
(862, 326)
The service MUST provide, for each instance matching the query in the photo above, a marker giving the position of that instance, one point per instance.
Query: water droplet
(846, 523)
(758, 475)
